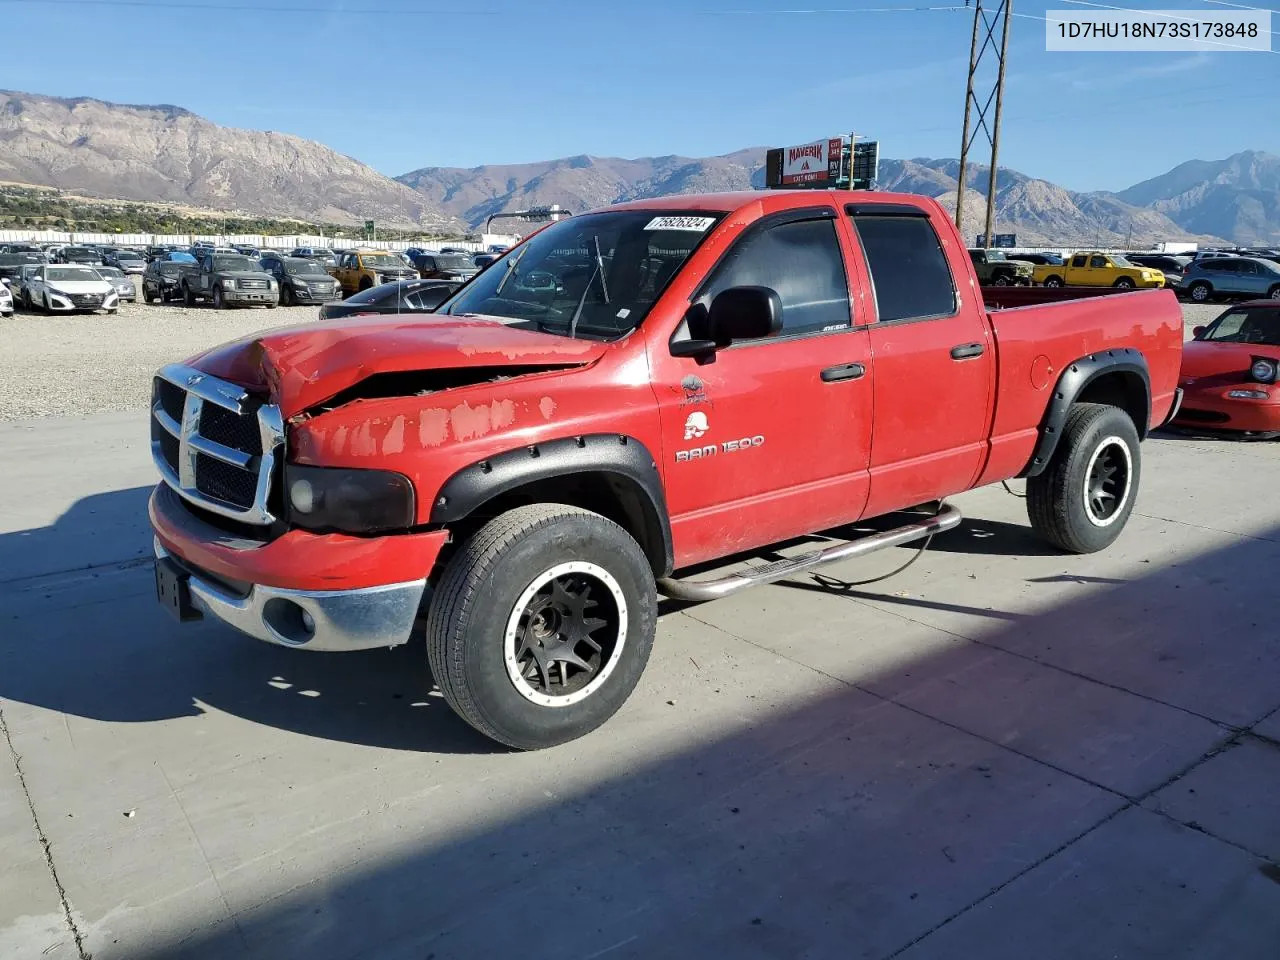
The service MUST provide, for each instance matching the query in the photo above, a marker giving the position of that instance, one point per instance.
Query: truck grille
(252, 284)
(214, 445)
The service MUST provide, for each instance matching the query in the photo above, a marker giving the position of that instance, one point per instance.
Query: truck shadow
(81, 633)
(1012, 774)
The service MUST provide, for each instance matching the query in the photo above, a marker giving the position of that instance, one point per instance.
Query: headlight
(354, 501)
(1264, 370)
(1247, 394)
(1146, 274)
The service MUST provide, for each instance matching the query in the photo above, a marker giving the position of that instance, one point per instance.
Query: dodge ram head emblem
(696, 425)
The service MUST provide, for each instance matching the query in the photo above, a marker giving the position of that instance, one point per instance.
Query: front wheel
(1000, 281)
(1083, 499)
(188, 300)
(1124, 283)
(219, 302)
(1274, 292)
(542, 624)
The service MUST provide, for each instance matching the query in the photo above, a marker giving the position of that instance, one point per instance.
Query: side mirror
(1198, 332)
(744, 313)
(739, 313)
(6, 281)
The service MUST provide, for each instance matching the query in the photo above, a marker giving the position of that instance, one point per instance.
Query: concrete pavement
(1002, 752)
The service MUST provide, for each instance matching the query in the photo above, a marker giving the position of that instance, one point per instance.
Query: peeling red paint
(393, 442)
(502, 413)
(339, 440)
(548, 407)
(469, 422)
(433, 427)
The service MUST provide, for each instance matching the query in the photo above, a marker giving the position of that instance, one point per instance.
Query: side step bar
(948, 518)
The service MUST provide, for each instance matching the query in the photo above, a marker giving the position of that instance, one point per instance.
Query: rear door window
(909, 271)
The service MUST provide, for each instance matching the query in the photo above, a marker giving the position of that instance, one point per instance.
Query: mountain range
(152, 153)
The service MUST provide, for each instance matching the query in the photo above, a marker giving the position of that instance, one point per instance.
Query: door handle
(845, 371)
(966, 351)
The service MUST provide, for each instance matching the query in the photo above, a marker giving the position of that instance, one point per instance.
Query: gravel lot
(90, 363)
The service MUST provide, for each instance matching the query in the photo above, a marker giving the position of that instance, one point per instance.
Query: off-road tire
(1057, 499)
(477, 595)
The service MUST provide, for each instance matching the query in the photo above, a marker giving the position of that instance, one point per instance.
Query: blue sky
(402, 84)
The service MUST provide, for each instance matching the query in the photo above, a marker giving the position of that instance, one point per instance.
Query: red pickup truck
(627, 394)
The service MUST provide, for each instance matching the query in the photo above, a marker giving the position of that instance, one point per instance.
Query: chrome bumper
(327, 620)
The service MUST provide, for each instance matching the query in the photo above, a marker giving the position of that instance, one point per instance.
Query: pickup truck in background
(1095, 269)
(627, 395)
(358, 270)
(227, 280)
(994, 269)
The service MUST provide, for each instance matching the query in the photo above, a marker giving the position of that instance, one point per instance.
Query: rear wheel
(542, 624)
(1083, 499)
(1200, 292)
(1053, 281)
(1124, 283)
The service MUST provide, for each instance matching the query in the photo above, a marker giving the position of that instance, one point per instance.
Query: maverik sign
(809, 163)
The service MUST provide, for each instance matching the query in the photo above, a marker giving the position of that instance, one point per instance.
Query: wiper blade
(604, 287)
(511, 269)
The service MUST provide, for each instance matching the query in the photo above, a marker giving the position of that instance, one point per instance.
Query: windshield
(380, 260)
(169, 268)
(233, 263)
(129, 255)
(73, 273)
(594, 276)
(69, 252)
(1259, 325)
(305, 268)
(1122, 262)
(111, 273)
(13, 258)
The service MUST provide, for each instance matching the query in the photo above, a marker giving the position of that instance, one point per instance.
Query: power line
(172, 7)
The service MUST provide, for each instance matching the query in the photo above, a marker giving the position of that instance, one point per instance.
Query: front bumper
(324, 620)
(1210, 408)
(231, 295)
(359, 592)
(310, 297)
(63, 303)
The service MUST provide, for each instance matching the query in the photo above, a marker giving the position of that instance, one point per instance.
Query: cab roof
(770, 200)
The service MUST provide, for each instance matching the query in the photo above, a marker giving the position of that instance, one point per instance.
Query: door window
(1079, 260)
(909, 271)
(1098, 263)
(800, 260)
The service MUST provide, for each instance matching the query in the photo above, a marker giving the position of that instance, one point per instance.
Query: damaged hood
(302, 366)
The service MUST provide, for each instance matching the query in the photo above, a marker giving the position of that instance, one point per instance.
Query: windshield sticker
(624, 313)
(692, 224)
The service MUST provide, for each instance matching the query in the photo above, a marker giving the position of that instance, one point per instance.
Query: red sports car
(1230, 372)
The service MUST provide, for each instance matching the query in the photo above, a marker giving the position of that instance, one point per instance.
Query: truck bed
(1005, 298)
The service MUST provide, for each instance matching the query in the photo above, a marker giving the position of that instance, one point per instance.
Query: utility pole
(995, 29)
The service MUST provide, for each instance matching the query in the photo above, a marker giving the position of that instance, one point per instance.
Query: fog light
(302, 496)
(1264, 370)
(1247, 394)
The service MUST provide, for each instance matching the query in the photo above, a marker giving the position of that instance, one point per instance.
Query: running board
(948, 518)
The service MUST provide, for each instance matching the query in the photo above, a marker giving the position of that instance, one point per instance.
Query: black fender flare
(1072, 382)
(613, 455)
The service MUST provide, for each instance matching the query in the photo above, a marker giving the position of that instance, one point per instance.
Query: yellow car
(361, 269)
(1095, 269)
